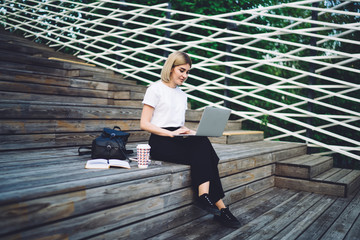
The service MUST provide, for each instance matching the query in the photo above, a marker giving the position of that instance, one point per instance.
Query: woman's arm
(145, 124)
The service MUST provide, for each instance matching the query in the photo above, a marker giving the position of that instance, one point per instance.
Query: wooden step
(38, 69)
(349, 177)
(68, 99)
(27, 125)
(71, 61)
(336, 182)
(53, 110)
(19, 44)
(316, 174)
(304, 167)
(239, 136)
(75, 82)
(54, 67)
(53, 195)
(51, 139)
(10, 109)
(30, 88)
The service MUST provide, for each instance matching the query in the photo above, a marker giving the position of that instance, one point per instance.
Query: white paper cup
(143, 155)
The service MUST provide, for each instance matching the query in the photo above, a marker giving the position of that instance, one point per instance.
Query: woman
(163, 115)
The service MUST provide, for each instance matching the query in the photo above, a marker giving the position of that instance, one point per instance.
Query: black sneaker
(206, 204)
(227, 218)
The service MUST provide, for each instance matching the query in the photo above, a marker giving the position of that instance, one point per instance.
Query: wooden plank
(193, 115)
(352, 181)
(50, 140)
(71, 61)
(354, 231)
(69, 99)
(339, 175)
(319, 160)
(42, 110)
(294, 160)
(31, 61)
(306, 160)
(85, 179)
(311, 186)
(206, 228)
(243, 178)
(74, 165)
(263, 218)
(144, 229)
(286, 170)
(244, 150)
(320, 225)
(248, 190)
(292, 215)
(327, 174)
(232, 137)
(321, 165)
(37, 154)
(128, 103)
(48, 154)
(17, 96)
(151, 227)
(73, 169)
(233, 125)
(39, 69)
(232, 167)
(137, 95)
(24, 48)
(278, 156)
(61, 91)
(33, 126)
(241, 132)
(350, 177)
(84, 226)
(304, 167)
(302, 219)
(45, 210)
(344, 222)
(18, 75)
(102, 220)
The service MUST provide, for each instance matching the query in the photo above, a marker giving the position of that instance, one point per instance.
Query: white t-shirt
(169, 105)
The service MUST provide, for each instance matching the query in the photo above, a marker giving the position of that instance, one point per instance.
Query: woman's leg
(204, 170)
(204, 188)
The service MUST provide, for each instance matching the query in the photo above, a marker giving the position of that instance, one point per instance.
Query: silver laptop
(212, 122)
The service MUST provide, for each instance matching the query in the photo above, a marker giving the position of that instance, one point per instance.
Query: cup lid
(146, 146)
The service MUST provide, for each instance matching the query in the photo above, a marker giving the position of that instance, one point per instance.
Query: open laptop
(212, 122)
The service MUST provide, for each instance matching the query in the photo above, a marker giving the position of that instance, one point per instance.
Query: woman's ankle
(220, 204)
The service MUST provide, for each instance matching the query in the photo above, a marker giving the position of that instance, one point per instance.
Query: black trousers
(194, 151)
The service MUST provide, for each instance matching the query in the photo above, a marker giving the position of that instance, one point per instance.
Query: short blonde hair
(174, 59)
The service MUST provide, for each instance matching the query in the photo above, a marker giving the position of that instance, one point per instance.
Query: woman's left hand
(183, 130)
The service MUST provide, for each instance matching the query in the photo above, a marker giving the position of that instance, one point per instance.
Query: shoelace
(228, 215)
(208, 200)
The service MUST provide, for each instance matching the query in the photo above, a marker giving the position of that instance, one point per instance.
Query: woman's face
(179, 74)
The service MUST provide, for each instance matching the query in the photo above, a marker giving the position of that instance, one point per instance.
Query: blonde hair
(174, 59)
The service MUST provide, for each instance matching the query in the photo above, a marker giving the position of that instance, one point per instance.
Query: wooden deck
(49, 195)
(281, 214)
